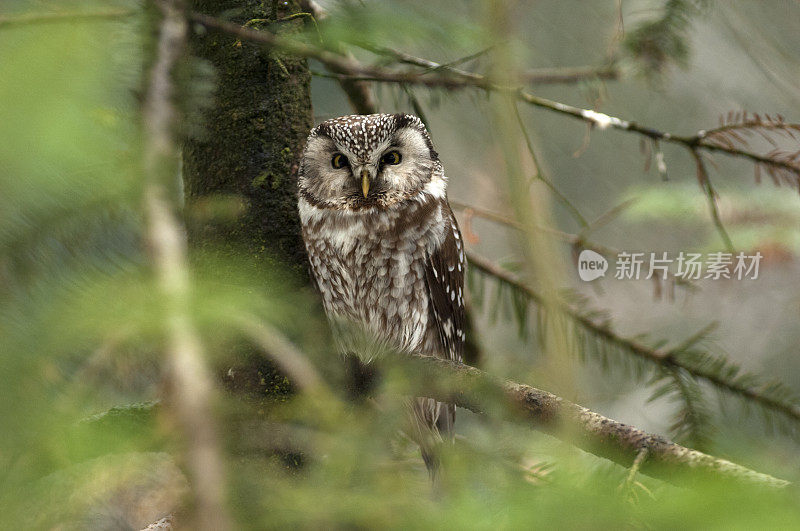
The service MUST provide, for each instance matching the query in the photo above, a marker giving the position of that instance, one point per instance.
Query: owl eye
(393, 157)
(339, 161)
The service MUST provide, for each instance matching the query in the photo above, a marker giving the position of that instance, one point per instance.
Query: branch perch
(593, 432)
(650, 454)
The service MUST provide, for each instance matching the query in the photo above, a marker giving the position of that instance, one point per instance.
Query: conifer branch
(656, 42)
(469, 388)
(785, 165)
(719, 372)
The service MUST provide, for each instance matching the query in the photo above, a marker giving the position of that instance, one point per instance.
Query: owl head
(372, 161)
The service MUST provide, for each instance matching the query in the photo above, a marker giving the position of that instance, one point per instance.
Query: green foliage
(656, 43)
(85, 437)
(676, 371)
(403, 25)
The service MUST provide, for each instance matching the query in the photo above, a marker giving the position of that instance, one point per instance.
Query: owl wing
(444, 277)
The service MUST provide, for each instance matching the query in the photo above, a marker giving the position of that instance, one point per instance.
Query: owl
(384, 247)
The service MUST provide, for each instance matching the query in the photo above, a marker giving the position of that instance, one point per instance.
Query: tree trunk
(252, 139)
(246, 155)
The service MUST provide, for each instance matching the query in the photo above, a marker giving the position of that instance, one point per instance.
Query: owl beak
(365, 181)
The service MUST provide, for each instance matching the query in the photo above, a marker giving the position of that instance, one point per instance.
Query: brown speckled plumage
(391, 260)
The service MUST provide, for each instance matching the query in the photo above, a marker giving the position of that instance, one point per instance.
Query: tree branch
(468, 387)
(568, 75)
(443, 76)
(358, 93)
(539, 76)
(473, 389)
(190, 382)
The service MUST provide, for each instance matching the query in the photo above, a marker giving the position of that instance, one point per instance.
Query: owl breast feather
(370, 270)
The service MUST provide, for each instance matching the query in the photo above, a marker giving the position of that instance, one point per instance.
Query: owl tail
(432, 427)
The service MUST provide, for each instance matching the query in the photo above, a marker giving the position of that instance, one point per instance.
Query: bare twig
(711, 198)
(666, 358)
(542, 177)
(554, 76)
(190, 382)
(471, 388)
(635, 467)
(539, 76)
(572, 239)
(606, 217)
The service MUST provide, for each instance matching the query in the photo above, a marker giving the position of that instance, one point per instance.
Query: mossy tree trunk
(251, 138)
(246, 154)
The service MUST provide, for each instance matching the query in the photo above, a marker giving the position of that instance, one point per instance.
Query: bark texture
(240, 165)
(251, 139)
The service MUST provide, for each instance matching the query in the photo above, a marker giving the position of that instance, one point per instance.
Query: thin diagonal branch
(711, 198)
(280, 350)
(542, 177)
(539, 76)
(189, 379)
